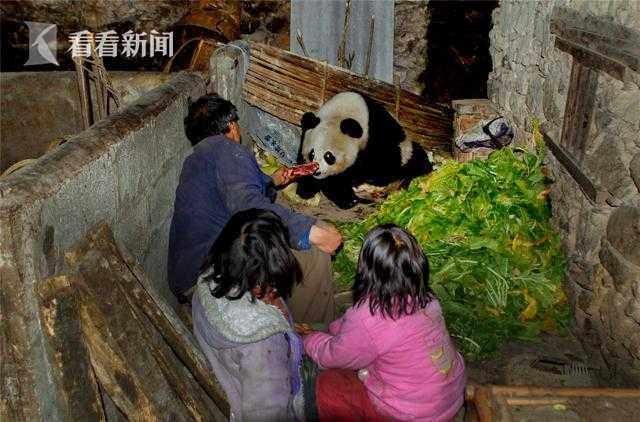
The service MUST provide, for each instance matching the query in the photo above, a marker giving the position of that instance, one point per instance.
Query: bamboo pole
(82, 91)
(372, 26)
(342, 49)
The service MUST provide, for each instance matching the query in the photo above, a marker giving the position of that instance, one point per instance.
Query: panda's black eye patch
(351, 127)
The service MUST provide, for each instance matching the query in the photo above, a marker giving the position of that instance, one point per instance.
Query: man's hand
(285, 175)
(303, 329)
(326, 237)
(281, 176)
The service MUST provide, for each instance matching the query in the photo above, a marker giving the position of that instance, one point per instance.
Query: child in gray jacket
(242, 322)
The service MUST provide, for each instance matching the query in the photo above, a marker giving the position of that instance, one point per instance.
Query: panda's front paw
(307, 188)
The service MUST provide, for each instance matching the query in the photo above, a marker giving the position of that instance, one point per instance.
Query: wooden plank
(98, 277)
(592, 59)
(69, 356)
(168, 323)
(578, 110)
(526, 391)
(183, 384)
(111, 367)
(159, 312)
(592, 192)
(601, 35)
(602, 44)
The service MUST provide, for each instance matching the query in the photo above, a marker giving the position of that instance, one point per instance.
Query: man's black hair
(209, 115)
(393, 273)
(252, 250)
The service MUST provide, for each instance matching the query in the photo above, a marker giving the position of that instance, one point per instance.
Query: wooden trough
(513, 403)
(111, 336)
(287, 85)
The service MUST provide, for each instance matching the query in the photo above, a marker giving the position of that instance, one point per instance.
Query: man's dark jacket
(218, 179)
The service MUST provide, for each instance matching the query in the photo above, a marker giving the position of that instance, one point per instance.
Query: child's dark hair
(209, 115)
(252, 250)
(393, 273)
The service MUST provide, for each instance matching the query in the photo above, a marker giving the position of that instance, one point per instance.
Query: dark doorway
(458, 60)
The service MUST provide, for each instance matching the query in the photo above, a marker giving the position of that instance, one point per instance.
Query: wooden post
(596, 45)
(70, 361)
(578, 110)
(131, 286)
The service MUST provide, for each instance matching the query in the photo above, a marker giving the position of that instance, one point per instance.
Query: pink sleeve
(334, 327)
(350, 348)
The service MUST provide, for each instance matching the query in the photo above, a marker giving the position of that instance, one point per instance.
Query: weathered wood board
(71, 364)
(596, 45)
(173, 368)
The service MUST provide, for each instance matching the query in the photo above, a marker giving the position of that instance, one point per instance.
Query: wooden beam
(69, 355)
(139, 292)
(592, 59)
(592, 192)
(611, 48)
(590, 30)
(111, 365)
(115, 322)
(180, 379)
(578, 109)
(596, 42)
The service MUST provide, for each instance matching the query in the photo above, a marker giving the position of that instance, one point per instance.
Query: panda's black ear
(351, 127)
(309, 121)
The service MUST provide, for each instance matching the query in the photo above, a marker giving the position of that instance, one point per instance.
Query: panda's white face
(340, 133)
(333, 150)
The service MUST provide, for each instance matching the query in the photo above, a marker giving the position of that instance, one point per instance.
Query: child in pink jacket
(394, 336)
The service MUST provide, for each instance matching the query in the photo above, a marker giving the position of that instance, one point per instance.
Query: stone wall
(410, 43)
(123, 171)
(41, 107)
(602, 242)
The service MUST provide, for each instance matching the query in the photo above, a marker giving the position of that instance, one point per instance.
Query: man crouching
(222, 177)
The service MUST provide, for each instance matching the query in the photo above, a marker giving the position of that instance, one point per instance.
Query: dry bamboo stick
(372, 26)
(281, 90)
(288, 85)
(342, 49)
(282, 101)
(536, 401)
(82, 92)
(300, 40)
(288, 70)
(305, 90)
(271, 53)
(276, 110)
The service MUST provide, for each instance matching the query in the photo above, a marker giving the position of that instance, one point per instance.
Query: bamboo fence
(287, 85)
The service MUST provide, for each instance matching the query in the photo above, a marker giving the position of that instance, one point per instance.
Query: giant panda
(355, 140)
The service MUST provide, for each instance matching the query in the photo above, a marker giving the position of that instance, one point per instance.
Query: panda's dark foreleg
(307, 187)
(340, 191)
(418, 165)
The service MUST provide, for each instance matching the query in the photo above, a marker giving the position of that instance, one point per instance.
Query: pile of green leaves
(496, 264)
